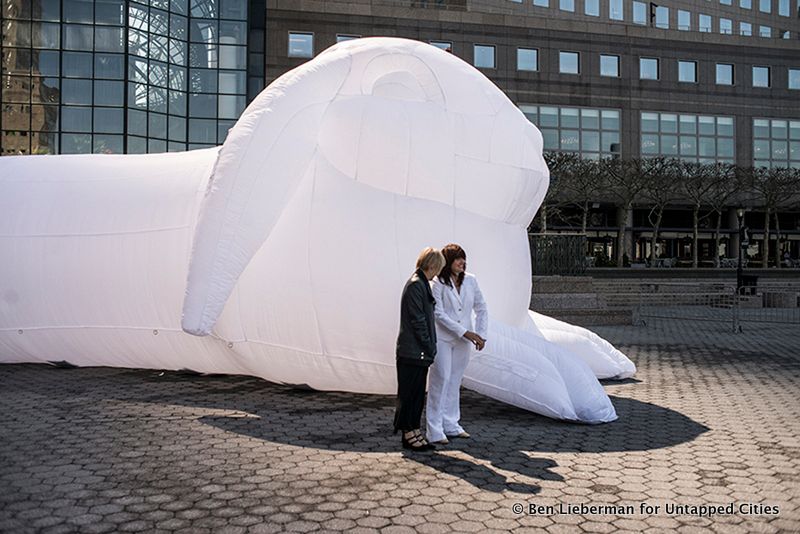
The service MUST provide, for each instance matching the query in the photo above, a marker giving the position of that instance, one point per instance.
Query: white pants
(443, 411)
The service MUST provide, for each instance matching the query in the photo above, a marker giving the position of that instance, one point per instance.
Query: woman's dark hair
(451, 253)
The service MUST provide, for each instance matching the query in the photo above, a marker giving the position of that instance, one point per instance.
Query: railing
(558, 254)
(718, 304)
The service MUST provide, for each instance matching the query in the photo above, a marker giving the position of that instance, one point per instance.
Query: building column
(733, 224)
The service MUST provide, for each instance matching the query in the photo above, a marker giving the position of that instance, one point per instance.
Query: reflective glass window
(76, 119)
(648, 68)
(615, 10)
(569, 62)
(761, 77)
(704, 23)
(77, 64)
(46, 35)
(301, 44)
(794, 78)
(639, 13)
(746, 29)
(566, 5)
(662, 17)
(527, 59)
(109, 93)
(76, 91)
(484, 56)
(724, 74)
(109, 66)
(591, 8)
(108, 120)
(684, 20)
(726, 26)
(687, 71)
(609, 65)
(765, 6)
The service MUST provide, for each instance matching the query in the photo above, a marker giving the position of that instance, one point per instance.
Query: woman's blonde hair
(430, 259)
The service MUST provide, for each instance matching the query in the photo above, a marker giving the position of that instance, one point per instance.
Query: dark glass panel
(76, 91)
(108, 120)
(109, 66)
(203, 131)
(77, 64)
(109, 93)
(79, 11)
(76, 119)
(107, 144)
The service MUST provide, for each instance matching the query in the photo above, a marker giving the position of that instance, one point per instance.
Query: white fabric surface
(290, 244)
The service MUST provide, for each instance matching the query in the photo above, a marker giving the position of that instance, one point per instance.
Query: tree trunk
(695, 232)
(716, 240)
(765, 242)
(622, 221)
(584, 221)
(544, 218)
(777, 241)
(654, 237)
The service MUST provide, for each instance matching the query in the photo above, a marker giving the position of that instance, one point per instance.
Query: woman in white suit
(457, 295)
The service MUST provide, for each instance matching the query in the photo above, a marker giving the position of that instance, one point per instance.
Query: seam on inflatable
(308, 250)
(100, 234)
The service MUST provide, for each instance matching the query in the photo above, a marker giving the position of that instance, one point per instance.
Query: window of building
(648, 68)
(776, 143)
(745, 28)
(662, 17)
(591, 8)
(687, 71)
(746, 4)
(726, 26)
(784, 8)
(447, 46)
(786, 34)
(761, 77)
(341, 37)
(609, 65)
(724, 74)
(794, 78)
(615, 10)
(593, 133)
(527, 59)
(725, 2)
(696, 138)
(484, 56)
(301, 44)
(704, 23)
(684, 20)
(569, 62)
(639, 13)
(765, 6)
(566, 5)
(541, 3)
(764, 31)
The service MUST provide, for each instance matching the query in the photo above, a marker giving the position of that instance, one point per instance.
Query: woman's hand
(477, 340)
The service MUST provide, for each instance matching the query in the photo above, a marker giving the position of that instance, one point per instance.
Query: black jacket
(416, 342)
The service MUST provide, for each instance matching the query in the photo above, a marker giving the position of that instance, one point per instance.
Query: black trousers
(411, 380)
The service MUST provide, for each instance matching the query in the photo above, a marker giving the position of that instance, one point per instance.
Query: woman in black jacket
(416, 348)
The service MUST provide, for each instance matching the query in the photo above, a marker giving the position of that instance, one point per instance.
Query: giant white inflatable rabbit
(285, 251)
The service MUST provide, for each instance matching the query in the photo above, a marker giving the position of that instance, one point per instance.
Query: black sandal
(416, 442)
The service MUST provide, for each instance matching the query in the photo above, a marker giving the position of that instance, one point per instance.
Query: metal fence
(717, 304)
(558, 254)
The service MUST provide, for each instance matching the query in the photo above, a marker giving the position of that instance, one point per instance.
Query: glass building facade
(592, 133)
(124, 76)
(696, 138)
(776, 143)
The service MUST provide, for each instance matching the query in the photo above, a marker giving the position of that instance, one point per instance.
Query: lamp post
(742, 245)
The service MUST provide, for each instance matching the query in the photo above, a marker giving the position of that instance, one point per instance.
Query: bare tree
(707, 185)
(772, 187)
(627, 179)
(561, 165)
(584, 182)
(663, 188)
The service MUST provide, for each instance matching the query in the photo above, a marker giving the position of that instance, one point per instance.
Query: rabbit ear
(258, 169)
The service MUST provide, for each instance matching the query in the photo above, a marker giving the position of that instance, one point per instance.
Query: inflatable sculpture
(282, 254)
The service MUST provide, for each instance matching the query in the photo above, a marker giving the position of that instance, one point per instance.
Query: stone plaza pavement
(710, 418)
